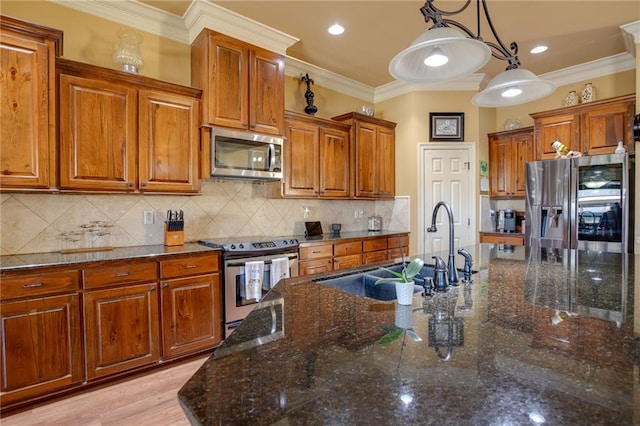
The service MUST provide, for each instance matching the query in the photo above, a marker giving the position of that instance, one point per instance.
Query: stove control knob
(285, 242)
(241, 246)
(233, 247)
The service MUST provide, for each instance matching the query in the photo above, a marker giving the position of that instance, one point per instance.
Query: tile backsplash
(35, 223)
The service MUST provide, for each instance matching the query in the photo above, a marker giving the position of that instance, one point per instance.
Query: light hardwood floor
(147, 400)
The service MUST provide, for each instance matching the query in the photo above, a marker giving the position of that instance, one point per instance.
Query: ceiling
(575, 31)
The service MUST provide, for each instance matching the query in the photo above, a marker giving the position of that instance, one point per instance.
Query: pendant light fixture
(444, 53)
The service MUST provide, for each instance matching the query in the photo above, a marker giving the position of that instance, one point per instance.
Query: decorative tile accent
(33, 223)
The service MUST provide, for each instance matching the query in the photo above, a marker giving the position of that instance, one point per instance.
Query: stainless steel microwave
(238, 154)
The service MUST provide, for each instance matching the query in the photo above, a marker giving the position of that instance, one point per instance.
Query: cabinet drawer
(344, 249)
(189, 266)
(398, 241)
(310, 267)
(316, 252)
(122, 274)
(374, 256)
(397, 253)
(38, 284)
(374, 244)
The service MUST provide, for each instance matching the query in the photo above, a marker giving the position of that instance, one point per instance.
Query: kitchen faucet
(453, 272)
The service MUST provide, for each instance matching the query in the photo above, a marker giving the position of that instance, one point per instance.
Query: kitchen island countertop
(540, 336)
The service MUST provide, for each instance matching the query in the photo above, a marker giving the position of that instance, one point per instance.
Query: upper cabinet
(509, 151)
(372, 156)
(591, 128)
(243, 85)
(316, 158)
(123, 132)
(27, 96)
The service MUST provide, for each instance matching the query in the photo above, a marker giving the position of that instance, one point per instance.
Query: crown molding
(202, 14)
(594, 69)
(397, 88)
(133, 14)
(327, 79)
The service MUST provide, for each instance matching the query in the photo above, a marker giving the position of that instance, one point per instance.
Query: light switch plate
(147, 217)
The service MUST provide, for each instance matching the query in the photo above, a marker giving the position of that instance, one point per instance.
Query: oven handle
(242, 262)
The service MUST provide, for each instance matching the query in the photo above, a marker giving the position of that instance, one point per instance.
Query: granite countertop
(330, 237)
(38, 260)
(540, 335)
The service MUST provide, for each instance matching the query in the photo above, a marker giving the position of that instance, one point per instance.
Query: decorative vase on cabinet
(571, 99)
(588, 93)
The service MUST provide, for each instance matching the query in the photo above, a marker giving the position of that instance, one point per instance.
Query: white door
(446, 174)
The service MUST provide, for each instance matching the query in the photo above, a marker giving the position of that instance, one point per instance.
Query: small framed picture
(446, 126)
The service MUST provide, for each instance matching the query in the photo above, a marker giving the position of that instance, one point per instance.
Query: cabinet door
(346, 262)
(386, 163)
(301, 164)
(266, 92)
(228, 100)
(168, 142)
(499, 163)
(334, 163)
(604, 126)
(27, 156)
(309, 267)
(41, 346)
(564, 128)
(121, 328)
(374, 257)
(365, 156)
(97, 135)
(522, 152)
(191, 314)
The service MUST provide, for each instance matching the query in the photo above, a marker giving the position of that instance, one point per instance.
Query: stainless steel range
(270, 257)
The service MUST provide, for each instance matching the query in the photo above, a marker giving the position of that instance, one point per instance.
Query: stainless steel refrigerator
(582, 203)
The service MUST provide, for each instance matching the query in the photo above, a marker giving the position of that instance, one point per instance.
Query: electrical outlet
(357, 214)
(147, 217)
(306, 212)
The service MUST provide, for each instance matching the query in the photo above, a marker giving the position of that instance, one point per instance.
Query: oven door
(236, 306)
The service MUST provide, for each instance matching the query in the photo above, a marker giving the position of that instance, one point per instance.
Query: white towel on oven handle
(253, 273)
(279, 270)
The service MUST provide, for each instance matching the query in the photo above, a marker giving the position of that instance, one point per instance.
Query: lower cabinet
(315, 258)
(121, 326)
(63, 328)
(41, 346)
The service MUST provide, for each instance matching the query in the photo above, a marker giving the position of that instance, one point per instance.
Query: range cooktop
(253, 244)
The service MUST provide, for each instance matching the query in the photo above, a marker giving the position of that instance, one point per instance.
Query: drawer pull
(190, 266)
(316, 252)
(32, 285)
(121, 274)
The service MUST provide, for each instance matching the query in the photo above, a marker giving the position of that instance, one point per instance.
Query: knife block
(173, 238)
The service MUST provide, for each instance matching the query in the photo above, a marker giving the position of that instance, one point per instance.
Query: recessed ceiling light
(336, 29)
(539, 49)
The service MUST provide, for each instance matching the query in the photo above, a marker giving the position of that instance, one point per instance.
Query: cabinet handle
(190, 266)
(32, 285)
(152, 288)
(316, 252)
(165, 284)
(121, 274)
(143, 184)
(129, 185)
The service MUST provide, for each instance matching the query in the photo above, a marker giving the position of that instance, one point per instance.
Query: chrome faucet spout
(452, 271)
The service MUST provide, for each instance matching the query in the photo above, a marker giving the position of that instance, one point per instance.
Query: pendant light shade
(465, 56)
(513, 87)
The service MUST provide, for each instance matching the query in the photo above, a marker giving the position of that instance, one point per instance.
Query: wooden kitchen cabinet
(591, 128)
(121, 318)
(372, 156)
(191, 300)
(316, 158)
(243, 85)
(374, 250)
(41, 334)
(509, 151)
(126, 133)
(28, 99)
(315, 258)
(347, 255)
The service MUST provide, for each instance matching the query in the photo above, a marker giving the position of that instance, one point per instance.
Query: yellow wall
(93, 40)
(329, 102)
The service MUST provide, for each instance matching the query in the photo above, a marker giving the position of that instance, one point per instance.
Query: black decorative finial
(310, 109)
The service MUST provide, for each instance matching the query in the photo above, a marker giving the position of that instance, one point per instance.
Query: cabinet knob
(129, 185)
(152, 287)
(165, 284)
(143, 184)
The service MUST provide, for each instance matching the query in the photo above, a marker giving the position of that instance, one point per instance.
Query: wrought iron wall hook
(310, 109)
